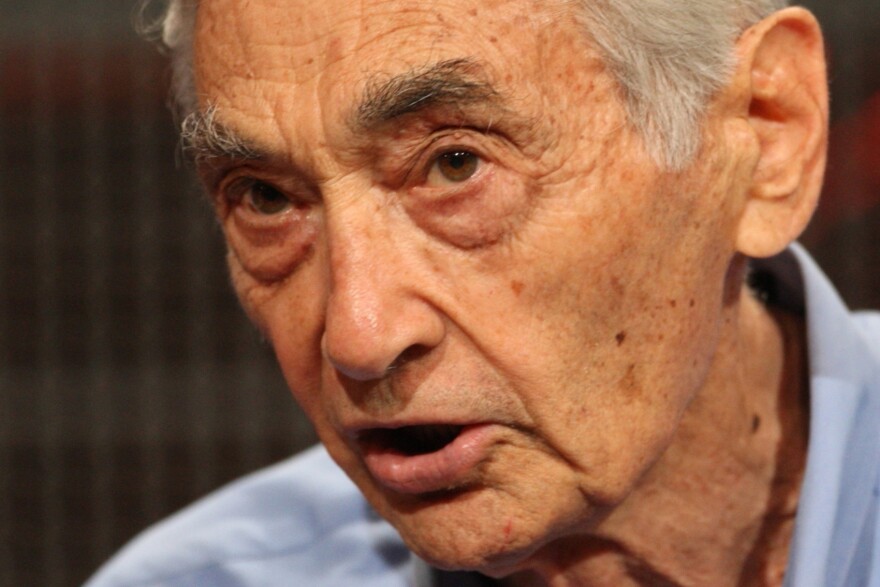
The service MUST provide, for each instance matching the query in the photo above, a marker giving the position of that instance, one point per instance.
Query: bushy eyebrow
(203, 138)
(454, 82)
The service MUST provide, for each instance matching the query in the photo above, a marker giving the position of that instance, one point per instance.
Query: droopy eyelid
(236, 191)
(443, 181)
(455, 140)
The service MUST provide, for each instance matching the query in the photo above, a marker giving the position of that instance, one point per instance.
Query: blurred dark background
(130, 382)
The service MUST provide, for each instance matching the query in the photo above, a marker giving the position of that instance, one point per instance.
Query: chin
(480, 530)
(481, 554)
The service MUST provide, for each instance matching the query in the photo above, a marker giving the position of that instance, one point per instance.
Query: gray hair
(669, 58)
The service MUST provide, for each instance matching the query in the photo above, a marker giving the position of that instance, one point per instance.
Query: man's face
(490, 302)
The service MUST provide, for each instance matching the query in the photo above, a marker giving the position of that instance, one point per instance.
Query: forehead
(266, 55)
(326, 32)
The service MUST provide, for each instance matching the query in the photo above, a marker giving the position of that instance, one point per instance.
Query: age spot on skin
(673, 303)
(335, 49)
(628, 384)
(517, 287)
(621, 337)
(617, 286)
(756, 423)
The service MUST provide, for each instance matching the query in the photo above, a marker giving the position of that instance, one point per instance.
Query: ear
(782, 69)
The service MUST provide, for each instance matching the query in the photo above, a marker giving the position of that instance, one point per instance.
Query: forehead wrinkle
(451, 82)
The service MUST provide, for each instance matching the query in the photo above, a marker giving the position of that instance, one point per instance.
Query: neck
(718, 508)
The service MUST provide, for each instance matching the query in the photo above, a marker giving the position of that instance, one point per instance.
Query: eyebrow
(453, 82)
(203, 138)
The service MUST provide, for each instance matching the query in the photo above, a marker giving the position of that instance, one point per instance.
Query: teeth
(416, 440)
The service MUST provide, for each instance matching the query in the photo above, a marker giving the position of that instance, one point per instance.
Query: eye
(453, 167)
(263, 198)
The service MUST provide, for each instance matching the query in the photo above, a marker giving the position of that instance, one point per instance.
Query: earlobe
(783, 61)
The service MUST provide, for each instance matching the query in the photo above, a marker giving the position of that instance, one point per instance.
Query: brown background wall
(130, 383)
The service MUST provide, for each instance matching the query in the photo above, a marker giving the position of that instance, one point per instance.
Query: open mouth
(425, 459)
(412, 440)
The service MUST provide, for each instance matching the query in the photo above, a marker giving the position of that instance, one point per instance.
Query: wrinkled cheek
(288, 314)
(247, 289)
(299, 356)
(301, 371)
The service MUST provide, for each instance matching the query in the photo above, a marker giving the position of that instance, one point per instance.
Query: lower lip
(437, 471)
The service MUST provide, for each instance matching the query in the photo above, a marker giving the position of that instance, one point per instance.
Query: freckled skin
(536, 300)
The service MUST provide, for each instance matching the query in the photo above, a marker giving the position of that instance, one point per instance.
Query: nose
(377, 312)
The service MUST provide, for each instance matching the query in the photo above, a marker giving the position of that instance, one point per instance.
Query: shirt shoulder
(834, 542)
(300, 522)
(868, 323)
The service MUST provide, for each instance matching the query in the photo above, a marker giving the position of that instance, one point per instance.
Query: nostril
(411, 353)
(359, 373)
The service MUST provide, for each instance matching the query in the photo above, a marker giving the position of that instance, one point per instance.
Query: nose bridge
(374, 309)
(357, 238)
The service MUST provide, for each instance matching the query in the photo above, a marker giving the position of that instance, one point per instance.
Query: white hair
(669, 58)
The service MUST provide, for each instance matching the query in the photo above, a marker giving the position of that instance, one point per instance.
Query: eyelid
(237, 187)
(417, 173)
(226, 185)
(233, 185)
(438, 173)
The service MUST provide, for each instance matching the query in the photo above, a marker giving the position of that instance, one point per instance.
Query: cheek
(289, 314)
(622, 329)
(653, 358)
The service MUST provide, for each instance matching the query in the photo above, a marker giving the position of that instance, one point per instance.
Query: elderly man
(527, 267)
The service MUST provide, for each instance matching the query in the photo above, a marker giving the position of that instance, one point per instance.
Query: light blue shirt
(303, 523)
